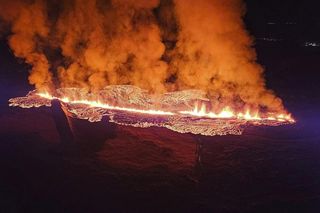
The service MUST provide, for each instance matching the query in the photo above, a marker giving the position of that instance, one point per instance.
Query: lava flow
(99, 104)
(226, 113)
(178, 112)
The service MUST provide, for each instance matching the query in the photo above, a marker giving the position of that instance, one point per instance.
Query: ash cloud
(160, 46)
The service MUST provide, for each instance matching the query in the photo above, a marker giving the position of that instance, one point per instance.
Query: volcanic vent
(184, 65)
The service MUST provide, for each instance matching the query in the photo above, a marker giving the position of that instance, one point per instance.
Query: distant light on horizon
(269, 39)
(286, 23)
(311, 44)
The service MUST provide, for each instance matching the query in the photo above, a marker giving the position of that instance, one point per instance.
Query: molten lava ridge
(183, 111)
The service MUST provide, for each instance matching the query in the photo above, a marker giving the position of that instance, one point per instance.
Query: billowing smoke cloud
(214, 53)
(157, 45)
(116, 42)
(28, 27)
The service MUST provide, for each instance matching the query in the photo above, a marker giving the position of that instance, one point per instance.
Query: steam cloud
(157, 45)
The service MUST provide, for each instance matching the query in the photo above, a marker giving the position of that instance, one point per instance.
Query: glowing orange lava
(105, 106)
(225, 113)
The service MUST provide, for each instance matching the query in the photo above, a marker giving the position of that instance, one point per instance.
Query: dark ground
(156, 170)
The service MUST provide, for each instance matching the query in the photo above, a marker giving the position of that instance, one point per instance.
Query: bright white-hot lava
(225, 113)
(104, 105)
(187, 111)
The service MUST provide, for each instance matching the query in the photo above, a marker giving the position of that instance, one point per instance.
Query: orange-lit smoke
(214, 53)
(115, 42)
(28, 27)
(158, 45)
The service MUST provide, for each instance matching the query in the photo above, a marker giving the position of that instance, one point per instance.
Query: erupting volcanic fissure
(192, 60)
(182, 111)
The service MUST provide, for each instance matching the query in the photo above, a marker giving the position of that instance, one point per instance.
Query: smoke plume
(158, 45)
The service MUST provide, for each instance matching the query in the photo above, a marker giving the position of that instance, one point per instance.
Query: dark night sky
(284, 10)
(304, 15)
